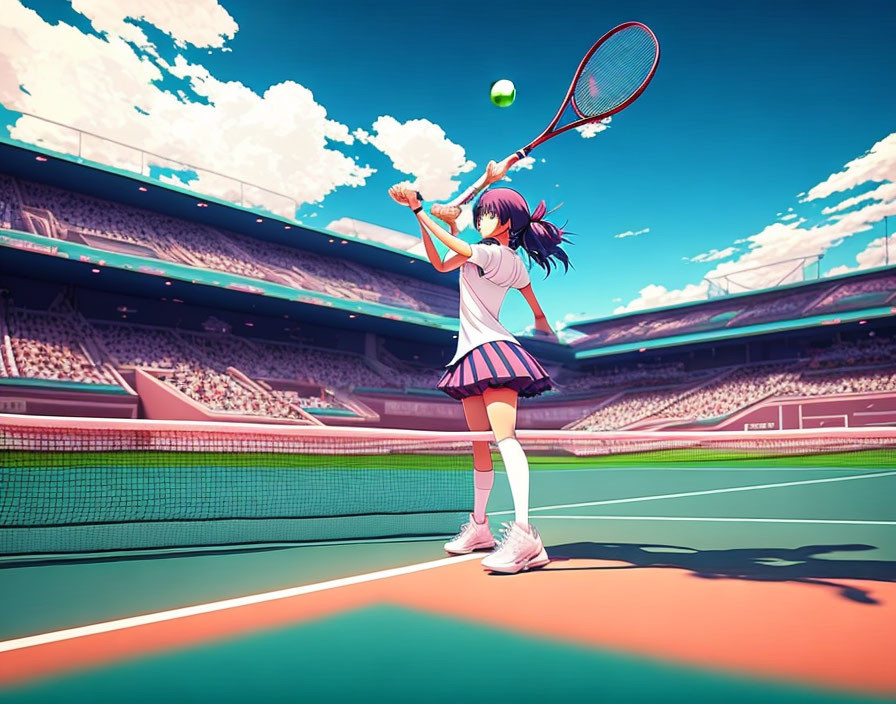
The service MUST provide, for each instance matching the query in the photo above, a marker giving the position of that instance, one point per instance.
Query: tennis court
(704, 568)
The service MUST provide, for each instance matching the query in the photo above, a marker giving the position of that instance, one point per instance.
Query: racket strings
(615, 72)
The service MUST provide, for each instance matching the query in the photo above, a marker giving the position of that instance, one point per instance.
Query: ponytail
(540, 239)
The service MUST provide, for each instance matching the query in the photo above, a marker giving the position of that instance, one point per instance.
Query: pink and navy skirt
(495, 365)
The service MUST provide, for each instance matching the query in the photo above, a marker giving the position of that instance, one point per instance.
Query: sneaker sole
(467, 552)
(539, 560)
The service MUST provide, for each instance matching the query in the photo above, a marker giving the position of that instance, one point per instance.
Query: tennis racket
(610, 77)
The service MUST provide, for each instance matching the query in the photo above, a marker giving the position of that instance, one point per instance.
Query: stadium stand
(51, 346)
(845, 368)
(114, 227)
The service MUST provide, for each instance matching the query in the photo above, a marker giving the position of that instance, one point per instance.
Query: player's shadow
(804, 565)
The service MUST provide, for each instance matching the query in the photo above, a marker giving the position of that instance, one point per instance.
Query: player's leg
(484, 477)
(500, 406)
(476, 534)
(521, 547)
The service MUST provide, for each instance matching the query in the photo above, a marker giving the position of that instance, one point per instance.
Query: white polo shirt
(481, 296)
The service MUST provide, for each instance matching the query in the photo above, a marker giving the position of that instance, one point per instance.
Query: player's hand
(446, 213)
(399, 194)
(405, 195)
(543, 329)
(495, 172)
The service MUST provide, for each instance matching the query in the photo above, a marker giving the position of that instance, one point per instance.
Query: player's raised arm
(408, 197)
(494, 172)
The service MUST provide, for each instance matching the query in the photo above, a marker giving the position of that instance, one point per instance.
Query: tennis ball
(503, 93)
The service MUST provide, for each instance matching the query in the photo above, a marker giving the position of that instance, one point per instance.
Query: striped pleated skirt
(495, 365)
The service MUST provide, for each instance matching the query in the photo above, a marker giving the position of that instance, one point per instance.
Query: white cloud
(877, 164)
(420, 149)
(789, 216)
(713, 255)
(279, 140)
(885, 191)
(525, 163)
(879, 252)
(594, 128)
(658, 296)
(202, 23)
(631, 233)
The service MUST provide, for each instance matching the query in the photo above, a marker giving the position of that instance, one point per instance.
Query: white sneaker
(472, 536)
(517, 551)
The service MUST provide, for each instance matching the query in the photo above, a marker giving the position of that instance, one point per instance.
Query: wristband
(418, 208)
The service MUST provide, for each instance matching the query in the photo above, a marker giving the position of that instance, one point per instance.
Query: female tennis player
(490, 369)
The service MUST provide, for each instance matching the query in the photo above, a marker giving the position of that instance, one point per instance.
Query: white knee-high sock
(482, 485)
(517, 467)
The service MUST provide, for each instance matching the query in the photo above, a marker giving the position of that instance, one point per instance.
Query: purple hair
(539, 238)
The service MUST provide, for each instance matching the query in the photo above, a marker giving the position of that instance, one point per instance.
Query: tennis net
(89, 485)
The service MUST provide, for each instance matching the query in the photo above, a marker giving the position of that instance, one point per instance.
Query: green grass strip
(147, 459)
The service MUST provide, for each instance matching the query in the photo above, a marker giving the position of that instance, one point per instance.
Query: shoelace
(463, 529)
(508, 537)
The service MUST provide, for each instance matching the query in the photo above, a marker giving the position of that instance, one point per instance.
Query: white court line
(751, 487)
(159, 616)
(723, 520)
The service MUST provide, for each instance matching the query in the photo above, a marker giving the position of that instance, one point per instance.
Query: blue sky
(761, 116)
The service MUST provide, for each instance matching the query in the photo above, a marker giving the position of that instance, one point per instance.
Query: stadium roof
(108, 183)
(868, 294)
(778, 326)
(588, 325)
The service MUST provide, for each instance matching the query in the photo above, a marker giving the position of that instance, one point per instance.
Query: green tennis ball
(503, 93)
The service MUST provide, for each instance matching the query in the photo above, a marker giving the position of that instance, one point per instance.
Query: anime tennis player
(490, 369)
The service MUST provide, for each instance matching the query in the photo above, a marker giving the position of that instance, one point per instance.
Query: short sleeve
(482, 255)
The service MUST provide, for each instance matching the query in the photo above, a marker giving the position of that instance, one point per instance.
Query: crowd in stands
(867, 366)
(48, 346)
(844, 381)
(220, 392)
(731, 391)
(207, 247)
(159, 348)
(140, 346)
(60, 345)
(407, 374)
(304, 400)
(628, 408)
(866, 351)
(639, 375)
(9, 203)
